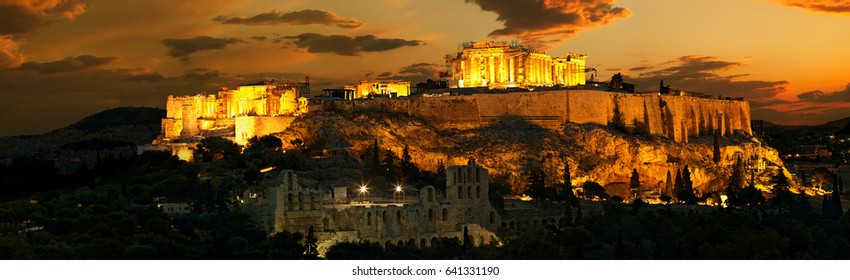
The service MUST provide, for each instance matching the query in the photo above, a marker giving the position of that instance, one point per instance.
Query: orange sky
(61, 60)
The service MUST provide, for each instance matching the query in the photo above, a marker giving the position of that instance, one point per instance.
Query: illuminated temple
(503, 65)
(238, 114)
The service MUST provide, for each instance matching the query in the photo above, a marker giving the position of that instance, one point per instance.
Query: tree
(668, 185)
(266, 142)
(750, 197)
(641, 128)
(836, 200)
(567, 219)
(832, 208)
(390, 165)
(567, 191)
(467, 240)
(594, 189)
(441, 168)
(822, 177)
(311, 244)
(617, 121)
(408, 169)
(439, 177)
(717, 146)
(499, 187)
(679, 185)
(285, 246)
(783, 198)
(686, 193)
(537, 184)
(212, 148)
(374, 162)
(634, 182)
(736, 184)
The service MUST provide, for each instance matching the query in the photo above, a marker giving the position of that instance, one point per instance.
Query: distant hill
(129, 116)
(114, 127)
(797, 131)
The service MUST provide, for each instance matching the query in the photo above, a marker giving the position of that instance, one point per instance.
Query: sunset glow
(59, 63)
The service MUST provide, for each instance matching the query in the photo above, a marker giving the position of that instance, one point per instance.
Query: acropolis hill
(495, 88)
(268, 107)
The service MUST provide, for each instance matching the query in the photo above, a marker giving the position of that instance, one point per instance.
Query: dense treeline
(651, 232)
(111, 213)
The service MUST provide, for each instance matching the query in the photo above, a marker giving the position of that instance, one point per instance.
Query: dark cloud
(414, 73)
(258, 38)
(346, 45)
(19, 19)
(183, 48)
(640, 68)
(201, 74)
(69, 64)
(291, 76)
(146, 77)
(302, 17)
(826, 6)
(546, 22)
(706, 74)
(20, 16)
(824, 97)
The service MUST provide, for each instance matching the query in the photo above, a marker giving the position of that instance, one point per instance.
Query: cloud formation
(414, 73)
(9, 55)
(183, 48)
(20, 16)
(347, 45)
(708, 74)
(825, 6)
(303, 17)
(824, 97)
(705, 74)
(547, 22)
(69, 64)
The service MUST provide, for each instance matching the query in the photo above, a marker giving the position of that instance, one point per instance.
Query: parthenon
(503, 65)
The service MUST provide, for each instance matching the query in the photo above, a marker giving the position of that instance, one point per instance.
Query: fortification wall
(590, 106)
(691, 116)
(249, 126)
(451, 109)
(546, 106)
(171, 128)
(673, 117)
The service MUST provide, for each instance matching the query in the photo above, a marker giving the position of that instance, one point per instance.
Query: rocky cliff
(509, 146)
(668, 116)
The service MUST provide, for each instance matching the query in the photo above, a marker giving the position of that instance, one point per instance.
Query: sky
(61, 60)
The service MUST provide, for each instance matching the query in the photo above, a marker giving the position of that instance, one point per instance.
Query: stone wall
(673, 117)
(287, 206)
(247, 127)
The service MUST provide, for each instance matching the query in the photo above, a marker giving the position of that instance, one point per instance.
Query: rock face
(672, 117)
(510, 146)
